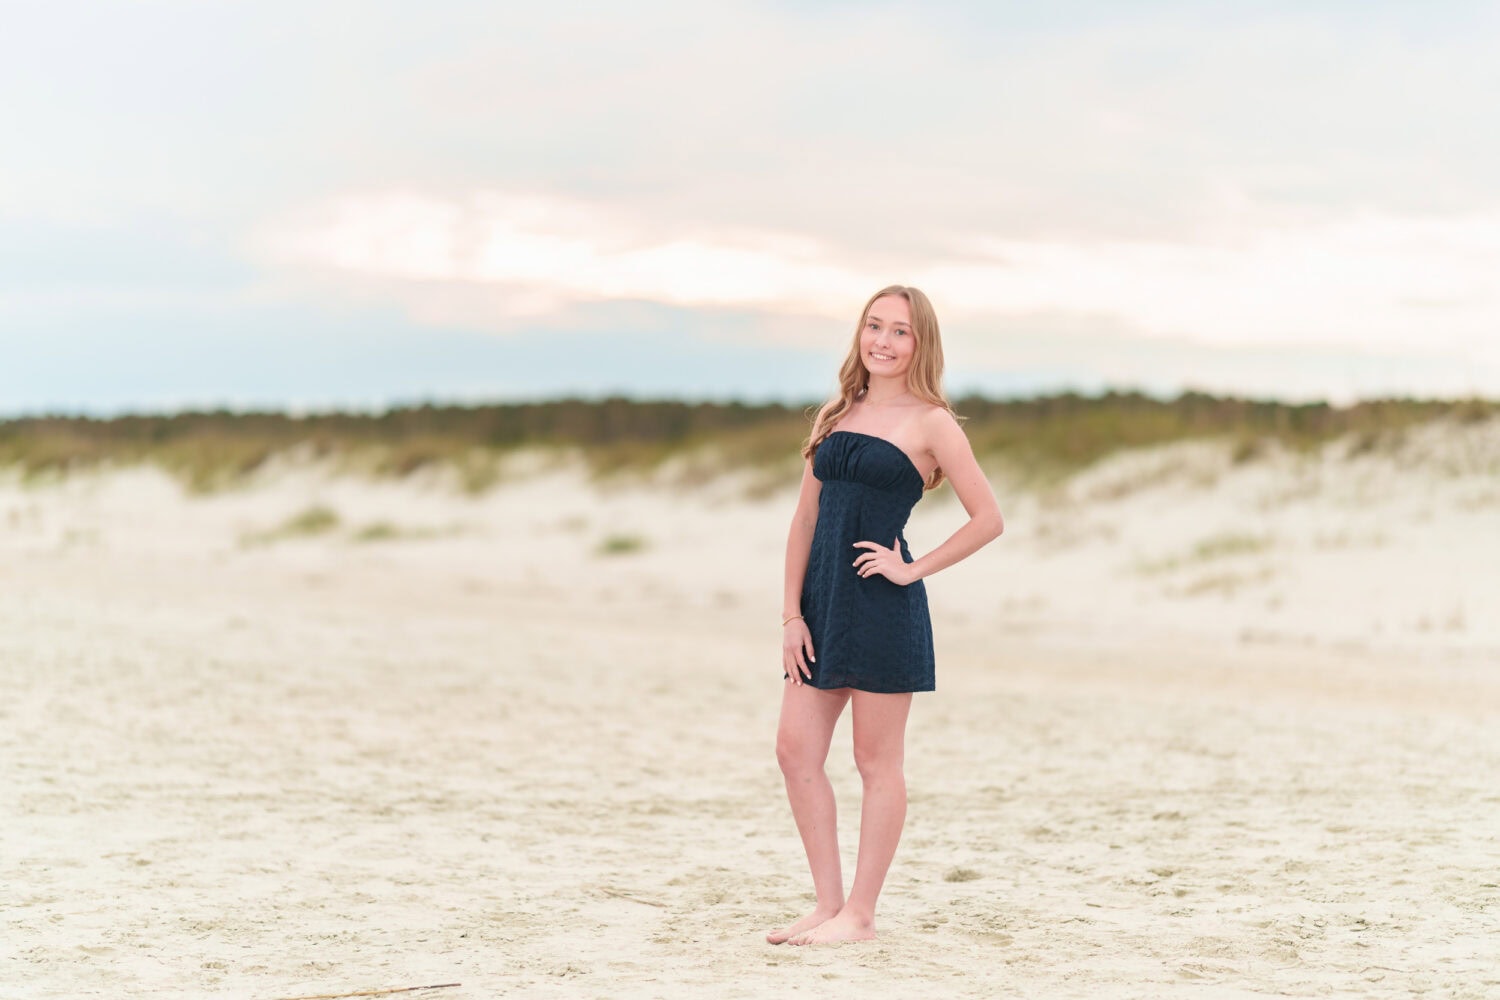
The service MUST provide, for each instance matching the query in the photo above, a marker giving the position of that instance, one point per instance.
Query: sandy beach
(1203, 728)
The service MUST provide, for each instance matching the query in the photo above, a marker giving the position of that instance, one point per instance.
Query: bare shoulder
(939, 418)
(941, 431)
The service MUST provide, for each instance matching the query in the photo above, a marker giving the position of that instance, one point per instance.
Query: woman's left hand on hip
(885, 561)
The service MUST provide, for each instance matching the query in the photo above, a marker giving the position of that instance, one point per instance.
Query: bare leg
(808, 716)
(879, 752)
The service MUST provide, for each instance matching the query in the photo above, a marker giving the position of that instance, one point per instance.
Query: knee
(877, 767)
(796, 756)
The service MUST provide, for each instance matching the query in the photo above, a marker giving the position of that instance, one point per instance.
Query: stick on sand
(375, 993)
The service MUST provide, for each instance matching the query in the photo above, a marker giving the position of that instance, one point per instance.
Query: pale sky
(358, 204)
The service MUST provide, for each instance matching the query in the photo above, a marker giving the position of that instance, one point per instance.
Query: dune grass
(1043, 438)
(379, 531)
(306, 523)
(1206, 550)
(387, 531)
(620, 544)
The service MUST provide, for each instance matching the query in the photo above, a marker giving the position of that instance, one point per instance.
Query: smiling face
(886, 343)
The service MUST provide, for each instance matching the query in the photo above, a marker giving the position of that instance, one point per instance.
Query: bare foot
(807, 923)
(843, 927)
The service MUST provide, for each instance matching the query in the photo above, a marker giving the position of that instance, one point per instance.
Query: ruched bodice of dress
(850, 456)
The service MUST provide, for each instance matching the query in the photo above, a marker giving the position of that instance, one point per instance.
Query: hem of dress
(866, 690)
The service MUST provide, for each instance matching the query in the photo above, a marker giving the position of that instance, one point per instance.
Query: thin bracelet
(792, 619)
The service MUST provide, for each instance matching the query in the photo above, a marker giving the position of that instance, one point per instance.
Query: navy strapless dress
(867, 632)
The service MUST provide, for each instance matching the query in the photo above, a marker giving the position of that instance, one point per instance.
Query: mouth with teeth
(882, 357)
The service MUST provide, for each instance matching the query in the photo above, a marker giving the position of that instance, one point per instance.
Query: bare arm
(796, 640)
(956, 457)
(799, 542)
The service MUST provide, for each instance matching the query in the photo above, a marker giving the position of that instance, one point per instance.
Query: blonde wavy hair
(924, 379)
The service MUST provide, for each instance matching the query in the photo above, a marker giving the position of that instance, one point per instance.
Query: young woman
(855, 625)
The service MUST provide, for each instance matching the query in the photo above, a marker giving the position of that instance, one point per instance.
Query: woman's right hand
(795, 641)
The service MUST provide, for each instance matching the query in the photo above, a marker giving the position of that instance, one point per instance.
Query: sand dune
(1201, 729)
